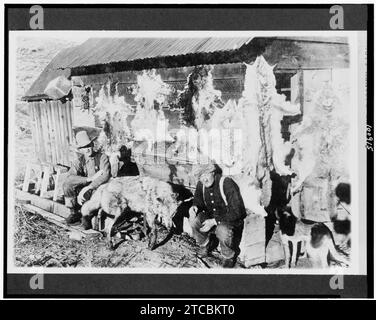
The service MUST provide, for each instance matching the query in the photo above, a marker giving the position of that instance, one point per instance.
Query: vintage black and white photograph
(207, 152)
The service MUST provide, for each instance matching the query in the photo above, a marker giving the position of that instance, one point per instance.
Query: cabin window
(283, 83)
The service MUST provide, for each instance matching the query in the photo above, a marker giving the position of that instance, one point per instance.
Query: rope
(345, 208)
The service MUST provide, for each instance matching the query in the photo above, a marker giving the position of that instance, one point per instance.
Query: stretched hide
(152, 197)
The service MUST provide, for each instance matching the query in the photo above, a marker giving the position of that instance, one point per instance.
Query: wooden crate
(274, 250)
(252, 245)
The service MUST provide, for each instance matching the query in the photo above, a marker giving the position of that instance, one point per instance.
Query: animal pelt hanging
(321, 161)
(112, 111)
(260, 90)
(258, 114)
(199, 98)
(151, 95)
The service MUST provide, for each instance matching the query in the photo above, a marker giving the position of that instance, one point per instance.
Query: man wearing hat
(217, 214)
(90, 170)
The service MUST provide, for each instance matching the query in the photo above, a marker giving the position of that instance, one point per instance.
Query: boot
(70, 202)
(206, 250)
(74, 218)
(203, 252)
(86, 223)
(228, 263)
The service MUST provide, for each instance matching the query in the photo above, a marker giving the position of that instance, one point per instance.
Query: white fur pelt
(152, 197)
(321, 151)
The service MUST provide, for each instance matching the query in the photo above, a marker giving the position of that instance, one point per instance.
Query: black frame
(169, 17)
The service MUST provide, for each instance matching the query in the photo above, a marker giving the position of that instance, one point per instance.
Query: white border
(352, 36)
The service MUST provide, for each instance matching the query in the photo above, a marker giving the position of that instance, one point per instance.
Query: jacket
(82, 168)
(213, 203)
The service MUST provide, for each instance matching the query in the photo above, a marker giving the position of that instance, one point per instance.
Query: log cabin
(300, 63)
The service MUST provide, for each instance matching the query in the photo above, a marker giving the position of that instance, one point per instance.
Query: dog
(321, 248)
(315, 238)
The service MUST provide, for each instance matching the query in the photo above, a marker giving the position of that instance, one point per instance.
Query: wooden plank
(72, 121)
(220, 71)
(42, 152)
(48, 125)
(45, 132)
(56, 140)
(65, 135)
(68, 135)
(37, 131)
(58, 173)
(61, 134)
(252, 245)
(45, 181)
(59, 221)
(26, 182)
(44, 204)
(63, 123)
(37, 168)
(274, 250)
(42, 156)
(254, 229)
(178, 174)
(253, 254)
(33, 131)
(53, 124)
(35, 200)
(51, 132)
(57, 131)
(68, 107)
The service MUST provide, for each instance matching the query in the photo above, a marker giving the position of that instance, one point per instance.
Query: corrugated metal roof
(36, 91)
(98, 51)
(103, 51)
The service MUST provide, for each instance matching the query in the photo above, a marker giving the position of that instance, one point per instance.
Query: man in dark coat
(90, 170)
(219, 210)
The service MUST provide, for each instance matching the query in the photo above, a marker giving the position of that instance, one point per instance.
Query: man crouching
(90, 170)
(218, 214)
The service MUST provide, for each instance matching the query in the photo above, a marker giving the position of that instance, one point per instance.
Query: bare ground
(41, 243)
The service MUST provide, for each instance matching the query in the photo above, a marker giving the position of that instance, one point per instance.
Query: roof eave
(37, 97)
(241, 54)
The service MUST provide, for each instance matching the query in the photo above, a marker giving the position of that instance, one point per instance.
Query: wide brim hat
(201, 169)
(83, 140)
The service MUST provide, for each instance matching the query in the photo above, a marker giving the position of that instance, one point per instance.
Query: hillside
(32, 56)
